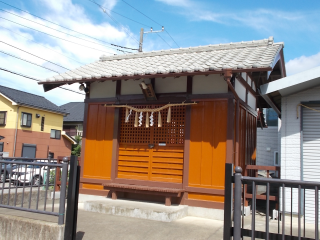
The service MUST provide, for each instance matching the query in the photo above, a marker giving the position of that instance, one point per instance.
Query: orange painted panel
(99, 141)
(206, 197)
(208, 135)
(92, 186)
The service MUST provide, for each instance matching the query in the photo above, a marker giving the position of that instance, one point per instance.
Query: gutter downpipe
(227, 77)
(15, 135)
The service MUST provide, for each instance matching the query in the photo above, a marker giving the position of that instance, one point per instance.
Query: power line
(67, 27)
(28, 61)
(164, 40)
(56, 36)
(141, 13)
(34, 79)
(55, 29)
(113, 19)
(34, 55)
(151, 20)
(171, 38)
(43, 46)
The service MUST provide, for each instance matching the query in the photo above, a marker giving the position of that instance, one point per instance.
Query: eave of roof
(290, 85)
(213, 59)
(294, 83)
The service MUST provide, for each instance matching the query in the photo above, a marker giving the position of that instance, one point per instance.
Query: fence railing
(27, 183)
(291, 220)
(253, 171)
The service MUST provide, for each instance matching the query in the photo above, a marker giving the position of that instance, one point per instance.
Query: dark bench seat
(167, 192)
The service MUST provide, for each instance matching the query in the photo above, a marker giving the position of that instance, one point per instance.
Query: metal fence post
(72, 203)
(228, 200)
(237, 204)
(63, 190)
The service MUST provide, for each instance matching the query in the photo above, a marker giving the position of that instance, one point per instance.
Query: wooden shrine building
(161, 125)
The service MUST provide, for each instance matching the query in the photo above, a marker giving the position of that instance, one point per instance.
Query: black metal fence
(290, 222)
(28, 185)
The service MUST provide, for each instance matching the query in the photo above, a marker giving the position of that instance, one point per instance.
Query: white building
(299, 99)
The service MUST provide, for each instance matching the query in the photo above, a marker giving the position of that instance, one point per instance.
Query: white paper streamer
(151, 119)
(140, 119)
(127, 120)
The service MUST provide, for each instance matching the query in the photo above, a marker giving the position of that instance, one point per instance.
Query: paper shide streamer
(149, 120)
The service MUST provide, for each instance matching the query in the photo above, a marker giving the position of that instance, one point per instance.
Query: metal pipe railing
(27, 183)
(288, 229)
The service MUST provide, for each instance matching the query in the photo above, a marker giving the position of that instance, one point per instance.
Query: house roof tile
(75, 110)
(241, 55)
(30, 100)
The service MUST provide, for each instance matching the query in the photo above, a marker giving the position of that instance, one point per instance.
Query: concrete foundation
(19, 228)
(210, 213)
(143, 210)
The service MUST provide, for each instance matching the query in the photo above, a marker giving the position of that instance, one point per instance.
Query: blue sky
(189, 22)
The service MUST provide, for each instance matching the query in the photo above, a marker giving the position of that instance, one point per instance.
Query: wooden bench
(167, 192)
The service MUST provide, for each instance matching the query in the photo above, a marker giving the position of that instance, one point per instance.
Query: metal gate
(286, 225)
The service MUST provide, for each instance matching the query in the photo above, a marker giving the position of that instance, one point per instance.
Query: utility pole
(141, 36)
(141, 40)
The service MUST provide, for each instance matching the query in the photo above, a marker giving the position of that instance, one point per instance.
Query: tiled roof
(75, 110)
(30, 100)
(241, 55)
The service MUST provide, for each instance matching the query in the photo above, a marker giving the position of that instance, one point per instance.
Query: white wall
(267, 138)
(213, 83)
(129, 87)
(290, 138)
(105, 89)
(241, 90)
(171, 84)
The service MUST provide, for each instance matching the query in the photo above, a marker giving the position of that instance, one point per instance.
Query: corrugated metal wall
(311, 155)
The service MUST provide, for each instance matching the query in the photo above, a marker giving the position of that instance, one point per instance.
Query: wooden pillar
(230, 132)
(83, 140)
(186, 147)
(115, 144)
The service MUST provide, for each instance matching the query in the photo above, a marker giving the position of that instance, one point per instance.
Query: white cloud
(266, 21)
(109, 4)
(178, 3)
(65, 13)
(302, 63)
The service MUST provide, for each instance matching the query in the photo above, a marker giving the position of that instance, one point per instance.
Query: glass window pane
(58, 134)
(53, 133)
(1, 146)
(24, 119)
(2, 117)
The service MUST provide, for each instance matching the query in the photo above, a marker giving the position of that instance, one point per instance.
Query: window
(26, 119)
(29, 150)
(1, 146)
(55, 134)
(271, 117)
(276, 159)
(3, 118)
(42, 123)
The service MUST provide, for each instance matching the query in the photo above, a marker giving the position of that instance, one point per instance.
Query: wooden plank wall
(208, 136)
(98, 147)
(248, 138)
(163, 164)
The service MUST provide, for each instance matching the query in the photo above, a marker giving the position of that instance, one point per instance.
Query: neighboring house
(73, 122)
(184, 147)
(297, 100)
(31, 125)
(268, 140)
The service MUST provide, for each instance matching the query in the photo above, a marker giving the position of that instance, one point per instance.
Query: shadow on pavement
(80, 235)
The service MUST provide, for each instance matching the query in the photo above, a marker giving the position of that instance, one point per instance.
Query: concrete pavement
(103, 226)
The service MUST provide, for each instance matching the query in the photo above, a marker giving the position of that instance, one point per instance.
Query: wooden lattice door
(154, 153)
